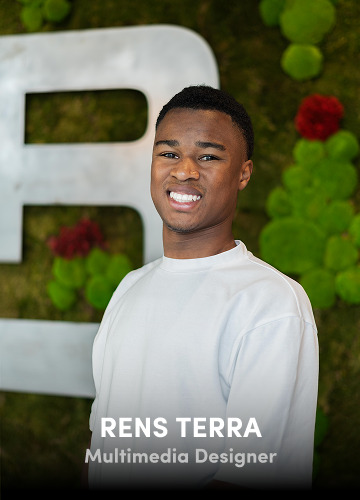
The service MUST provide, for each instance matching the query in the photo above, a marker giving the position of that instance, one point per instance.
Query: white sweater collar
(204, 263)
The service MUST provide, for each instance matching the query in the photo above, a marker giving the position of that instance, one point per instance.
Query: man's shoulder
(279, 291)
(262, 274)
(273, 276)
(135, 275)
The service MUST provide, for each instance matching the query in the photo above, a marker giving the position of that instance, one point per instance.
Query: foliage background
(43, 438)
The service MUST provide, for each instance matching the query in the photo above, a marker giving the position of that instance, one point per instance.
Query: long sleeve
(273, 379)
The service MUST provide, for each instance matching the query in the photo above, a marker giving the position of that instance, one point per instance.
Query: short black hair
(208, 98)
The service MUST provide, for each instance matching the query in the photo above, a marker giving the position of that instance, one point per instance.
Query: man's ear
(245, 174)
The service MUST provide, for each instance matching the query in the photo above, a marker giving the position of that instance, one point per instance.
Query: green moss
(336, 179)
(98, 291)
(340, 253)
(308, 204)
(118, 267)
(97, 261)
(308, 153)
(278, 203)
(116, 115)
(56, 10)
(336, 217)
(61, 296)
(307, 21)
(347, 285)
(354, 230)
(270, 11)
(70, 273)
(319, 285)
(296, 178)
(302, 62)
(343, 145)
(248, 54)
(284, 243)
(32, 17)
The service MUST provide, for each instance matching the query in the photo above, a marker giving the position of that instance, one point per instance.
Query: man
(206, 361)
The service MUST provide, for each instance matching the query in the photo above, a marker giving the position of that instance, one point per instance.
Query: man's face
(198, 166)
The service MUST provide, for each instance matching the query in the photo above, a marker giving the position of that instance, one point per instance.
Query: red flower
(76, 241)
(318, 117)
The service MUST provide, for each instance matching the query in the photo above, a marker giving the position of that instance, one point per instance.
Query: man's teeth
(183, 198)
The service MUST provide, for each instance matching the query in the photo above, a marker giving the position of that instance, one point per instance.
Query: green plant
(314, 232)
(296, 177)
(354, 230)
(336, 217)
(319, 285)
(278, 203)
(308, 153)
(70, 273)
(342, 145)
(302, 62)
(308, 203)
(34, 13)
(118, 267)
(304, 23)
(336, 179)
(61, 296)
(98, 291)
(97, 261)
(340, 253)
(307, 21)
(81, 262)
(284, 243)
(347, 284)
(270, 11)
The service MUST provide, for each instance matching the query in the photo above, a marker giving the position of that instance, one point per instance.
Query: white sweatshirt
(191, 350)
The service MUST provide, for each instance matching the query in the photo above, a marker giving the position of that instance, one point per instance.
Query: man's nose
(185, 168)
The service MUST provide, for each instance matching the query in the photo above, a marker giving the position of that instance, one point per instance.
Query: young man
(206, 361)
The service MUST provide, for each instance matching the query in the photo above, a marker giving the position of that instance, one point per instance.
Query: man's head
(200, 162)
(208, 98)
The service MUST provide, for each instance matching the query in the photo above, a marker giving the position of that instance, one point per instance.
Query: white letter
(234, 424)
(213, 458)
(123, 428)
(107, 428)
(183, 458)
(272, 455)
(154, 458)
(197, 427)
(198, 459)
(48, 62)
(252, 426)
(97, 456)
(182, 421)
(140, 426)
(263, 458)
(163, 429)
(216, 428)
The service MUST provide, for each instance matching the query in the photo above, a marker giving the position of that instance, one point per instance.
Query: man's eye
(208, 157)
(168, 155)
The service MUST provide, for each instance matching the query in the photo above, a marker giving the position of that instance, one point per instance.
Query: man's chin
(179, 229)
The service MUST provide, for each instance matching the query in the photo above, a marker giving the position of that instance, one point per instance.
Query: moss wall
(44, 437)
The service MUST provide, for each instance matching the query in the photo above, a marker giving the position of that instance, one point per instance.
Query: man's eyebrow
(167, 142)
(214, 145)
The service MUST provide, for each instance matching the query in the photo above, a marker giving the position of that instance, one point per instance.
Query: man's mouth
(184, 198)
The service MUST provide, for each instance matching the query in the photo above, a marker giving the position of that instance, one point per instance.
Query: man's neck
(195, 245)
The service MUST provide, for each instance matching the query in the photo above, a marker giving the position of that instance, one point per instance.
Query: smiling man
(206, 361)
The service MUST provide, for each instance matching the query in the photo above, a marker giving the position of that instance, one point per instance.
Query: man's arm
(274, 381)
